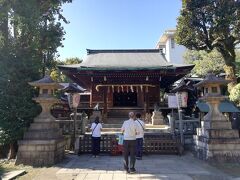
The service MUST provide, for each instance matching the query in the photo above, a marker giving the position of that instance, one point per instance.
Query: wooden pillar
(105, 103)
(147, 98)
(140, 94)
(91, 96)
(146, 103)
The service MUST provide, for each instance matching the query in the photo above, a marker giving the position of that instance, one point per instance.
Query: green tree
(73, 60)
(29, 36)
(205, 62)
(238, 63)
(57, 75)
(209, 24)
(235, 94)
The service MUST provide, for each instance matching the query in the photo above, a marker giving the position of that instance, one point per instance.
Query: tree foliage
(205, 62)
(211, 24)
(235, 94)
(57, 75)
(30, 32)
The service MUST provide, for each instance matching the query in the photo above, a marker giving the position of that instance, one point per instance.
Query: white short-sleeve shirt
(96, 129)
(129, 129)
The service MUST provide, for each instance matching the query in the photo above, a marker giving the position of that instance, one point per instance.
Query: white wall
(174, 55)
(168, 50)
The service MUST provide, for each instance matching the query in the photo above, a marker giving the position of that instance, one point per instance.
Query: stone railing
(189, 129)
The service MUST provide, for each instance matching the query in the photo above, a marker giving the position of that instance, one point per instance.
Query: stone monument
(157, 117)
(96, 112)
(215, 140)
(43, 143)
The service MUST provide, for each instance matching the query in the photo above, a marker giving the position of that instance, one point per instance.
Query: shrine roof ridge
(82, 68)
(93, 51)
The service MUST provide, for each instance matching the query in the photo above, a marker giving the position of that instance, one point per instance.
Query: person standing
(129, 130)
(139, 137)
(96, 128)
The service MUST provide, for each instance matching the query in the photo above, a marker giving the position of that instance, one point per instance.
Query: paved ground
(106, 167)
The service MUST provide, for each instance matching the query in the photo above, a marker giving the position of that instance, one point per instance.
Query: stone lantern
(43, 143)
(215, 140)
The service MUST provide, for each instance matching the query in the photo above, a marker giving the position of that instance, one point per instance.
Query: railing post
(180, 119)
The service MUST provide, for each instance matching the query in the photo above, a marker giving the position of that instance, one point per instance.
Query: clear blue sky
(116, 24)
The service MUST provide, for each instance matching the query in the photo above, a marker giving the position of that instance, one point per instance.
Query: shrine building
(120, 81)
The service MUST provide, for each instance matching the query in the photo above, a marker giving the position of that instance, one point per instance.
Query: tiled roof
(211, 79)
(124, 59)
(45, 79)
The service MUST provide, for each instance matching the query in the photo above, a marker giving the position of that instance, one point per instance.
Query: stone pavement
(105, 167)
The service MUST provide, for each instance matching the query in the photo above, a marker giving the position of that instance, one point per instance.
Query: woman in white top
(96, 128)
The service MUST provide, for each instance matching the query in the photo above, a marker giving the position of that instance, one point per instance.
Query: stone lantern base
(42, 145)
(157, 118)
(219, 143)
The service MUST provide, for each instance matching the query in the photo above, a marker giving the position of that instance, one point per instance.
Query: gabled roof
(72, 88)
(124, 59)
(130, 59)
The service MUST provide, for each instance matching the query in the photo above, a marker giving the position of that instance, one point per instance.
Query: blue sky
(116, 24)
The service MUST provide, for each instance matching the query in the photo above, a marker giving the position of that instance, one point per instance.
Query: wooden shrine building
(124, 79)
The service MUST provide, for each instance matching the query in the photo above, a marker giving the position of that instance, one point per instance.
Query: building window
(172, 43)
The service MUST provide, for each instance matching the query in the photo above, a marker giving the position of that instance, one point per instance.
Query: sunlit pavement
(105, 167)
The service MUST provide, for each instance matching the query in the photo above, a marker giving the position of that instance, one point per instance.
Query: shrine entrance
(125, 99)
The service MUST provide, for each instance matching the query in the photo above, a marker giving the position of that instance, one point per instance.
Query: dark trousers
(129, 148)
(95, 145)
(139, 147)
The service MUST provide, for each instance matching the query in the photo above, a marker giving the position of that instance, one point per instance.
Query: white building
(173, 52)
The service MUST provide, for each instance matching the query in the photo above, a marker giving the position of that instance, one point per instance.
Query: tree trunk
(4, 22)
(230, 75)
(230, 67)
(12, 151)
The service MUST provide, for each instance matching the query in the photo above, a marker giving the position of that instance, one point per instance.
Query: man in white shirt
(130, 130)
(139, 137)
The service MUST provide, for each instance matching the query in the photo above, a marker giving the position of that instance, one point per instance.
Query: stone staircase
(149, 128)
(119, 115)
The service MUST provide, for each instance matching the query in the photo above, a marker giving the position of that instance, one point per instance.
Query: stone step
(216, 140)
(147, 130)
(112, 125)
(218, 133)
(115, 120)
(216, 124)
(121, 112)
(111, 130)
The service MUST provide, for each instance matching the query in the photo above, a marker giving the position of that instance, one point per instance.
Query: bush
(235, 94)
